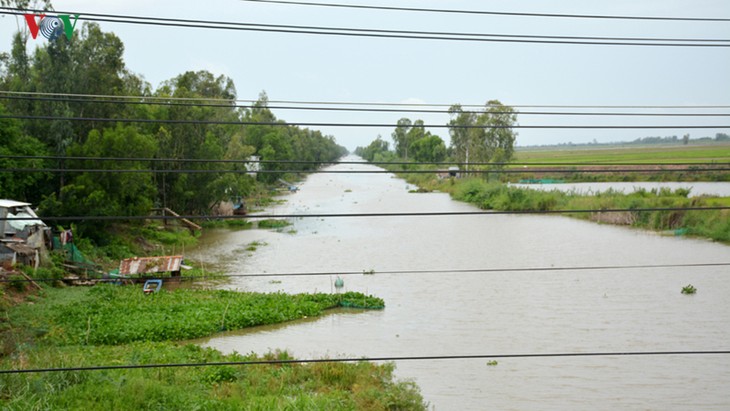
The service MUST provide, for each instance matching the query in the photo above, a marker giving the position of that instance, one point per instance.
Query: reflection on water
(431, 314)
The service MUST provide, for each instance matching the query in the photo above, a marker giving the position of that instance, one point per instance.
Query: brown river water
(524, 312)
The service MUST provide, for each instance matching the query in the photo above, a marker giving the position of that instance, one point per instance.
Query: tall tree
(429, 149)
(487, 136)
(21, 186)
(109, 193)
(401, 138)
(194, 192)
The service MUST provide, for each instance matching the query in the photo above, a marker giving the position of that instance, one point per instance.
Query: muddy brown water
(527, 312)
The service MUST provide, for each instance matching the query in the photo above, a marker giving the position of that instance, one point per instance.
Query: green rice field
(648, 154)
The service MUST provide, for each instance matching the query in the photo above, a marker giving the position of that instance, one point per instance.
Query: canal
(432, 311)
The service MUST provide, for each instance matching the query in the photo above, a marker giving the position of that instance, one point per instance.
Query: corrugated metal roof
(142, 265)
(12, 203)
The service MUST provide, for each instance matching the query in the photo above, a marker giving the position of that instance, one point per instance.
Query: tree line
(194, 129)
(483, 136)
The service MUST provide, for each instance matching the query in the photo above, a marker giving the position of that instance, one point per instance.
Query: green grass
(651, 154)
(273, 223)
(487, 193)
(323, 386)
(633, 154)
(237, 223)
(712, 224)
(254, 245)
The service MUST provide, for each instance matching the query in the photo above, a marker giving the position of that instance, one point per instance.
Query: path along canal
(432, 314)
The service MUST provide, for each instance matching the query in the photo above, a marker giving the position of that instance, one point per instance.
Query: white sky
(336, 68)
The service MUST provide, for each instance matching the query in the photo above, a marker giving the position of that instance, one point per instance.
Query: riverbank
(110, 325)
(710, 224)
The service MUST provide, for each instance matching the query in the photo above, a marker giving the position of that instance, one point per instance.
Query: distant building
(253, 166)
(24, 236)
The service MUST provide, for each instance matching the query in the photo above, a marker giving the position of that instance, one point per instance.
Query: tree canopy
(197, 110)
(485, 136)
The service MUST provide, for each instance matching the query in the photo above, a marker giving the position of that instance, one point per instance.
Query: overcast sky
(336, 68)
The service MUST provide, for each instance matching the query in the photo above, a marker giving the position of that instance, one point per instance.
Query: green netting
(72, 253)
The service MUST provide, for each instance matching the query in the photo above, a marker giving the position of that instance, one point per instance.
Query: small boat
(152, 286)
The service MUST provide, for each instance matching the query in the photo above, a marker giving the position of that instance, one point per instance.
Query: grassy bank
(711, 224)
(321, 386)
(108, 325)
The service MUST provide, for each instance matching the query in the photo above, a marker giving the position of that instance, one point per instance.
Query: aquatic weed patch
(117, 315)
(61, 318)
(273, 223)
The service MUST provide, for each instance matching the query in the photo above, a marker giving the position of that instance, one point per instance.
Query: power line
(230, 104)
(371, 359)
(361, 103)
(382, 215)
(492, 13)
(399, 34)
(377, 163)
(691, 169)
(356, 125)
(431, 271)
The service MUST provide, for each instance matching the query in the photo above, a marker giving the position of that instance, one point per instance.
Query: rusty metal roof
(142, 265)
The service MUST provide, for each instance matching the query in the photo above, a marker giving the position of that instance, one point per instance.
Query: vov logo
(51, 27)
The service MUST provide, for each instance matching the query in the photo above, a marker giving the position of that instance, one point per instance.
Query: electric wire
(354, 103)
(358, 125)
(435, 357)
(377, 163)
(382, 33)
(232, 104)
(370, 359)
(367, 215)
(403, 272)
(691, 169)
(492, 13)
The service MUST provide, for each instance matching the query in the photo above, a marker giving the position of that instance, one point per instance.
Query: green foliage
(654, 154)
(19, 185)
(357, 300)
(61, 328)
(411, 141)
(273, 223)
(92, 64)
(483, 137)
(430, 148)
(319, 386)
(118, 315)
(254, 245)
(18, 283)
(375, 148)
(712, 224)
(106, 194)
(689, 289)
(286, 143)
